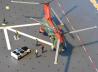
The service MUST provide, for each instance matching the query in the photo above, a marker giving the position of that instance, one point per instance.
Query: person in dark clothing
(4, 21)
(42, 47)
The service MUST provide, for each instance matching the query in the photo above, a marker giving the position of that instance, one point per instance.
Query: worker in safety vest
(16, 36)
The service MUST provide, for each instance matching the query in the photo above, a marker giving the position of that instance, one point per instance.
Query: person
(16, 36)
(42, 47)
(4, 21)
(41, 30)
(36, 53)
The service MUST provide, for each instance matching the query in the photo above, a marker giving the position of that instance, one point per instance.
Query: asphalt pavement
(81, 54)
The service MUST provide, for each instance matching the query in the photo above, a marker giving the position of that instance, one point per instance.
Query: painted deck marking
(57, 51)
(7, 39)
(22, 25)
(29, 36)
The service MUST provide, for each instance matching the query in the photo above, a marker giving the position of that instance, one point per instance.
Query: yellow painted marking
(95, 4)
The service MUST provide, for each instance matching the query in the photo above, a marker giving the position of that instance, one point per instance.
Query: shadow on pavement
(89, 43)
(70, 10)
(68, 52)
(64, 15)
(67, 31)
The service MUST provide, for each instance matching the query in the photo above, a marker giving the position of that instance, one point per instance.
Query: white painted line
(25, 2)
(94, 27)
(29, 36)
(2, 27)
(96, 70)
(90, 59)
(23, 25)
(57, 51)
(7, 39)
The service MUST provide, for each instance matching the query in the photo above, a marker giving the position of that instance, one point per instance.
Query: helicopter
(48, 25)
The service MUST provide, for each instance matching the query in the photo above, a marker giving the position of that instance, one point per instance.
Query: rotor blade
(30, 17)
(35, 19)
(94, 27)
(40, 22)
(57, 51)
(25, 2)
(80, 30)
